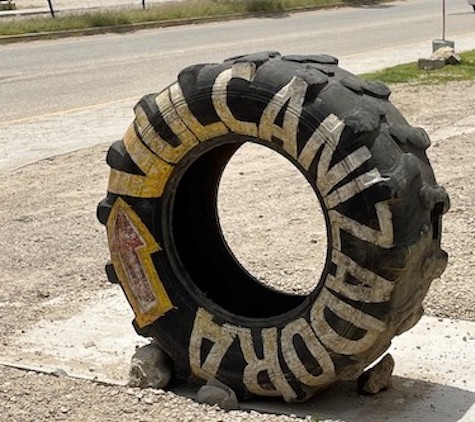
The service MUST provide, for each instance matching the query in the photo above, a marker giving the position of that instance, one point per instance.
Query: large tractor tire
(369, 170)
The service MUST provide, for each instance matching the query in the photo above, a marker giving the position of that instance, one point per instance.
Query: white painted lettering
(359, 319)
(219, 95)
(221, 338)
(292, 94)
(301, 328)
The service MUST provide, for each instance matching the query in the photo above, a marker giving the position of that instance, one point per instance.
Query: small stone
(42, 294)
(64, 409)
(89, 344)
(150, 367)
(377, 378)
(215, 392)
(430, 64)
(58, 372)
(148, 400)
(447, 54)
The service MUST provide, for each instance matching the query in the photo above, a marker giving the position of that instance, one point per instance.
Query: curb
(113, 28)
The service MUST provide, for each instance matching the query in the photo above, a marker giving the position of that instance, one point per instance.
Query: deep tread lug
(258, 58)
(118, 159)
(111, 274)
(352, 84)
(103, 210)
(414, 136)
(432, 195)
(376, 89)
(319, 59)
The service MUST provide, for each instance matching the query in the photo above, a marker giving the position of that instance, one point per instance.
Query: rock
(377, 378)
(148, 400)
(430, 64)
(42, 294)
(215, 392)
(447, 54)
(150, 367)
(59, 373)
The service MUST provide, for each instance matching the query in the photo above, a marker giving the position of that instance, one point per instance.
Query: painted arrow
(131, 246)
(127, 244)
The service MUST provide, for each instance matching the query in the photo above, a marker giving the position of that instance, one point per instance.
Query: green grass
(172, 11)
(410, 73)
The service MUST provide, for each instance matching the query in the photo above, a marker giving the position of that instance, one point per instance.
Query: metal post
(443, 19)
(51, 8)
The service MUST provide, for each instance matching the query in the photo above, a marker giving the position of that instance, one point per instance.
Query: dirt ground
(54, 250)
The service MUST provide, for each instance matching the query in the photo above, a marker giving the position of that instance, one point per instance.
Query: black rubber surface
(367, 166)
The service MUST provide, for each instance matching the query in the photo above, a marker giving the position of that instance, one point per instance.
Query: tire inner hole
(249, 230)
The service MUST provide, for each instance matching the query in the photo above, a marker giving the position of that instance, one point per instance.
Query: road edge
(8, 39)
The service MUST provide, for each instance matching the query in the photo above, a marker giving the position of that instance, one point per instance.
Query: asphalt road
(44, 77)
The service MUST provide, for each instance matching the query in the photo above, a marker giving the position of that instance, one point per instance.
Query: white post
(443, 20)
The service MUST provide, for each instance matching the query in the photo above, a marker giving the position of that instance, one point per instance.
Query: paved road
(51, 76)
(62, 95)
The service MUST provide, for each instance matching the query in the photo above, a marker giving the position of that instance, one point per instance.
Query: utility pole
(51, 8)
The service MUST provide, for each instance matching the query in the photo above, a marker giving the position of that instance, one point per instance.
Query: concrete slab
(434, 378)
(96, 343)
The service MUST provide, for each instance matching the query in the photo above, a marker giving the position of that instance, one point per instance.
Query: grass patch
(165, 12)
(410, 73)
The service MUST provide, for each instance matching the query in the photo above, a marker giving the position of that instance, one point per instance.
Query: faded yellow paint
(203, 133)
(156, 171)
(145, 159)
(148, 134)
(162, 303)
(122, 183)
(159, 146)
(173, 121)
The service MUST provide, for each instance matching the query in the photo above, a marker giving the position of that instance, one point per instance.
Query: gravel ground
(53, 252)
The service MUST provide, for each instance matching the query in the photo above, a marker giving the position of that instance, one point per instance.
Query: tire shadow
(406, 400)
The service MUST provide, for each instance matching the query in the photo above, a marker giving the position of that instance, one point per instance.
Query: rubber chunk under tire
(368, 167)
